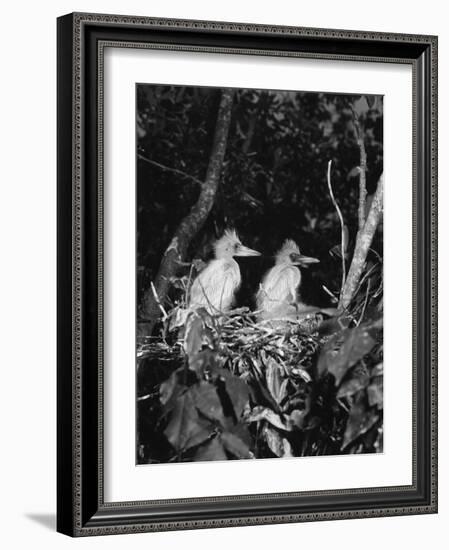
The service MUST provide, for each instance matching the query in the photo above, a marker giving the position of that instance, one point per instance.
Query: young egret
(277, 297)
(215, 287)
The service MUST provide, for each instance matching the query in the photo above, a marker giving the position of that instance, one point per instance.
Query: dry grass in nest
(244, 344)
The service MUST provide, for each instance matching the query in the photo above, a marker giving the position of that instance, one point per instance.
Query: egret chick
(277, 297)
(215, 287)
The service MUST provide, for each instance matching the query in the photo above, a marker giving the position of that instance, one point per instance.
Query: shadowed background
(273, 183)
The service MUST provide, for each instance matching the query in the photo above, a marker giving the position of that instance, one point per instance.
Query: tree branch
(362, 246)
(168, 169)
(342, 226)
(362, 176)
(194, 220)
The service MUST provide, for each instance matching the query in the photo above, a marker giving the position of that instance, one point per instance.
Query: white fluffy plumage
(278, 293)
(215, 287)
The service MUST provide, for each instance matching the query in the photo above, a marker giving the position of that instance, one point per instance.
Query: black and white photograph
(223, 221)
(259, 302)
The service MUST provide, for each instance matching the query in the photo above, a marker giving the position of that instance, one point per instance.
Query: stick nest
(245, 344)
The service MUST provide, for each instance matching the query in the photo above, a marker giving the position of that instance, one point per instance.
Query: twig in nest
(158, 302)
(365, 302)
(342, 224)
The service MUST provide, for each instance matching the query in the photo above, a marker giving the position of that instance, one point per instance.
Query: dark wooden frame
(81, 509)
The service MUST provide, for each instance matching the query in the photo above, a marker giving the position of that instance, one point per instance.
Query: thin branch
(342, 225)
(168, 169)
(195, 219)
(331, 294)
(362, 176)
(365, 302)
(147, 396)
(365, 276)
(158, 302)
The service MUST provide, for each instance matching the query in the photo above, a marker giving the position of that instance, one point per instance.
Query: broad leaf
(353, 385)
(370, 99)
(211, 451)
(261, 382)
(378, 370)
(207, 401)
(167, 388)
(238, 392)
(274, 379)
(235, 445)
(357, 342)
(203, 432)
(375, 393)
(279, 445)
(198, 332)
(359, 422)
(193, 339)
(185, 425)
(202, 361)
(262, 413)
(297, 418)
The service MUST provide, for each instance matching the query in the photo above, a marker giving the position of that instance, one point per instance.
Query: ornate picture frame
(81, 508)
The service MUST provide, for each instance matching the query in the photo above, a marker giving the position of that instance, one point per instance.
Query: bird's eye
(292, 257)
(237, 246)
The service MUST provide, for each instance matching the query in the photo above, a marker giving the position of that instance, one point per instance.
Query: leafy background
(214, 398)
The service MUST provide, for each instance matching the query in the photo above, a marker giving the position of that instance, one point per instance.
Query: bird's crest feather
(229, 237)
(287, 248)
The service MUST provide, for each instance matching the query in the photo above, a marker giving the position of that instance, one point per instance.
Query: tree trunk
(192, 223)
(363, 242)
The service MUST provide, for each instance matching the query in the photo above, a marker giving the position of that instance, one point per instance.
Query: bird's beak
(245, 251)
(304, 261)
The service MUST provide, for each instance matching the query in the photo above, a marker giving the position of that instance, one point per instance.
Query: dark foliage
(242, 392)
(231, 389)
(273, 185)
